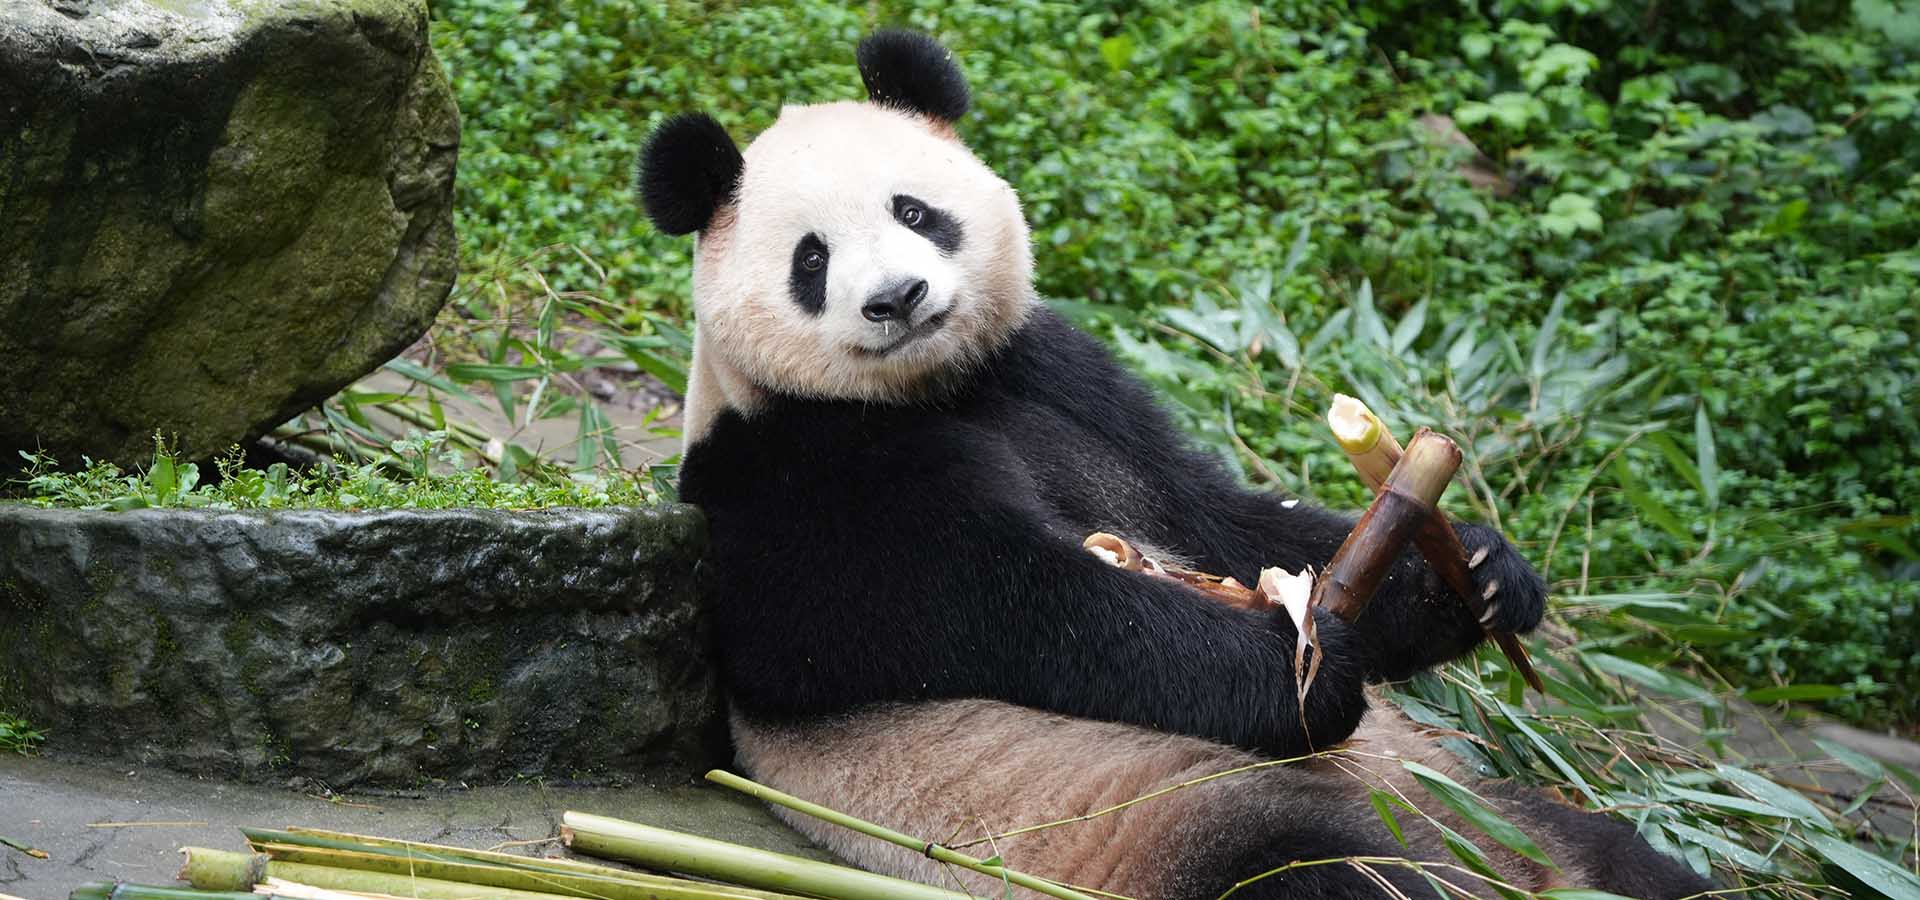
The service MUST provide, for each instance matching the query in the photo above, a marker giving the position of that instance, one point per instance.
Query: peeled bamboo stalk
(1373, 451)
(1407, 498)
(340, 840)
(672, 851)
(222, 870)
(934, 851)
(632, 886)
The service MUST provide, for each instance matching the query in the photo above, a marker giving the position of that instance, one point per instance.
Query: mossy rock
(219, 212)
(397, 648)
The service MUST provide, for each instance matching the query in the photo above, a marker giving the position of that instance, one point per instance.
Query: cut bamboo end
(1426, 468)
(1364, 438)
(221, 870)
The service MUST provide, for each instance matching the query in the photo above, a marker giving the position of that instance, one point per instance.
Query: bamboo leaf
(1708, 458)
(1658, 681)
(1879, 874)
(1762, 788)
(1852, 759)
(1409, 327)
(1381, 805)
(1797, 692)
(1544, 338)
(1366, 320)
(1477, 811)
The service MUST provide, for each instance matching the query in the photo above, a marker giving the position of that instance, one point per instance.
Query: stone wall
(392, 648)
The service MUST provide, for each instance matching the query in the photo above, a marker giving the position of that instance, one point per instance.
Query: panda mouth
(913, 333)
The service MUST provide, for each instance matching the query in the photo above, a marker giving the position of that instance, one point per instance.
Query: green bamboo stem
(633, 886)
(658, 848)
(933, 851)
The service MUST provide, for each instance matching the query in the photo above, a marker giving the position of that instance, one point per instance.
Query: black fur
(809, 288)
(908, 70)
(688, 170)
(935, 225)
(869, 553)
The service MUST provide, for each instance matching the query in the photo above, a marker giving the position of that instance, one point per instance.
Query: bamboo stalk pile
(312, 864)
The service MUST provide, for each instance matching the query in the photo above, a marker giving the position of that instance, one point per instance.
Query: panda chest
(1082, 478)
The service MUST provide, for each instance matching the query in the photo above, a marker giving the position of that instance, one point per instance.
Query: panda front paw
(1516, 595)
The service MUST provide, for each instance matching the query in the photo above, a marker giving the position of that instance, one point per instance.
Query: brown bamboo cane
(1406, 499)
(1374, 452)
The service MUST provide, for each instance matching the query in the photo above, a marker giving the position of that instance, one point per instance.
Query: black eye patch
(808, 280)
(933, 224)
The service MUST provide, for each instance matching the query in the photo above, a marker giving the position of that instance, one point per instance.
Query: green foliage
(419, 472)
(17, 736)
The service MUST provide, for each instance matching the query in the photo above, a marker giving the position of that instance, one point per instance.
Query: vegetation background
(1655, 263)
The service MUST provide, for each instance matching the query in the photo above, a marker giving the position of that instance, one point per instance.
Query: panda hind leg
(1601, 851)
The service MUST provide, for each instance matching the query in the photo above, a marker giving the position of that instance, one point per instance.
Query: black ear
(689, 168)
(910, 71)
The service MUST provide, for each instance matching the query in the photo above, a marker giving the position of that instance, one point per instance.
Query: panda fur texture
(899, 449)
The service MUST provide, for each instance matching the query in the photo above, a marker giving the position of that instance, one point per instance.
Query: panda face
(866, 251)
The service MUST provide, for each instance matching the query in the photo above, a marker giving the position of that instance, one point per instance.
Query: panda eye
(813, 261)
(912, 216)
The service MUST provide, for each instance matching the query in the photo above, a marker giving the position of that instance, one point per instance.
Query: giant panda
(899, 450)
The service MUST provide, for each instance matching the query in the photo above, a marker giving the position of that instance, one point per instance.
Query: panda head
(854, 250)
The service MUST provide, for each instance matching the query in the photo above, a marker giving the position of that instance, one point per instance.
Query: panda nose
(894, 302)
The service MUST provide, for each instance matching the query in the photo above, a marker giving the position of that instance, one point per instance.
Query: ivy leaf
(1569, 213)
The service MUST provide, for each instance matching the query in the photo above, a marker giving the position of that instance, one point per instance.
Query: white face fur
(800, 284)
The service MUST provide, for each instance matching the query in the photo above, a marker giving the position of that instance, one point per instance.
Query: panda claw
(1492, 586)
(1493, 609)
(1479, 556)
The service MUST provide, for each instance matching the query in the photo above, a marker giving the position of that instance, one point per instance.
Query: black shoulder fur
(868, 553)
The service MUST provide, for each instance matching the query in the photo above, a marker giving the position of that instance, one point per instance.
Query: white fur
(832, 170)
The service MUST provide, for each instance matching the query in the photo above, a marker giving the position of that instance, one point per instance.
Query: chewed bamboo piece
(1373, 451)
(1117, 551)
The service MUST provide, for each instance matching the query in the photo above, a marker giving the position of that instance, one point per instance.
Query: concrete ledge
(392, 647)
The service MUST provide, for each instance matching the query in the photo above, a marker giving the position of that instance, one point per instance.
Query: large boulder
(216, 213)
(390, 648)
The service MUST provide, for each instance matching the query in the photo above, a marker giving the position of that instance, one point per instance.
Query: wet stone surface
(335, 649)
(103, 823)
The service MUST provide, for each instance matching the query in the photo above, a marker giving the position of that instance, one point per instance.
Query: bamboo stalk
(658, 848)
(937, 852)
(633, 886)
(28, 849)
(1373, 451)
(628, 885)
(1405, 500)
(221, 870)
(341, 840)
